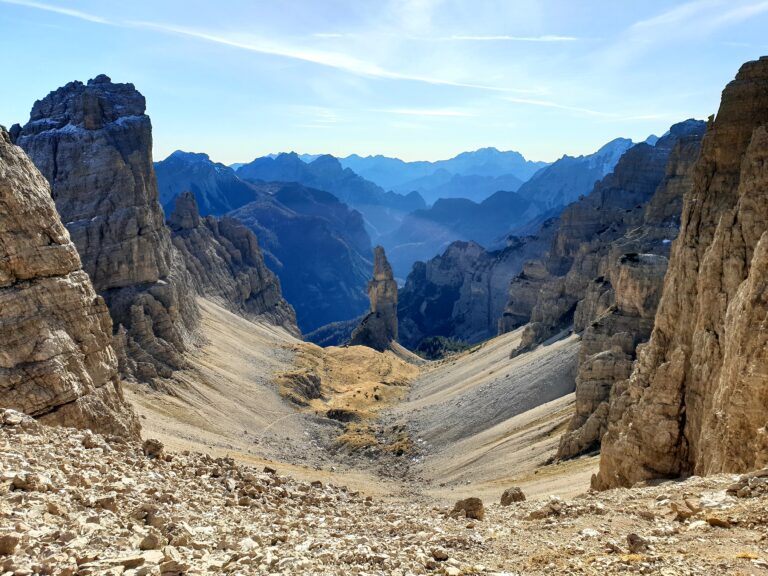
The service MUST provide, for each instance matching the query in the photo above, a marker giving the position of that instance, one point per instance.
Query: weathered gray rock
(93, 142)
(56, 361)
(608, 347)
(225, 264)
(378, 328)
(461, 294)
(696, 400)
(607, 222)
(619, 307)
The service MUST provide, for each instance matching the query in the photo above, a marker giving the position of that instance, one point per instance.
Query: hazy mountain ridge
(317, 246)
(383, 210)
(216, 187)
(403, 176)
(426, 233)
(565, 180)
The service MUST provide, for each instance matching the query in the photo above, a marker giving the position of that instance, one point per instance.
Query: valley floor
(468, 426)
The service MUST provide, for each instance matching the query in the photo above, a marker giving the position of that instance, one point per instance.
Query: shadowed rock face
(93, 143)
(379, 328)
(56, 361)
(318, 248)
(215, 186)
(696, 400)
(461, 293)
(226, 264)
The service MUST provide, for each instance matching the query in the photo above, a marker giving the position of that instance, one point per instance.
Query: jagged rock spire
(379, 327)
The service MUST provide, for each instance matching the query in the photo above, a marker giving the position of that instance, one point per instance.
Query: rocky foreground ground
(73, 503)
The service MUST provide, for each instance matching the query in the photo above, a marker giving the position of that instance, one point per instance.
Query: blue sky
(418, 79)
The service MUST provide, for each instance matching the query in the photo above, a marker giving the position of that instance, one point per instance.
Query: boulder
(512, 495)
(469, 508)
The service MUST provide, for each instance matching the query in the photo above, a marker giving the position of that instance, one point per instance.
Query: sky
(416, 79)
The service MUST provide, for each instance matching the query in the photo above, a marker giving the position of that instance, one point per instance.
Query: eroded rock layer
(56, 360)
(586, 232)
(93, 143)
(696, 400)
(618, 307)
(226, 264)
(461, 293)
(378, 328)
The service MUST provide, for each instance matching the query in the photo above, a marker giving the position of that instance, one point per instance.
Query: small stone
(718, 522)
(636, 543)
(512, 495)
(153, 540)
(440, 554)
(8, 543)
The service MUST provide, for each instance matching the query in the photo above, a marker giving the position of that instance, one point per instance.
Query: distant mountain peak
(189, 156)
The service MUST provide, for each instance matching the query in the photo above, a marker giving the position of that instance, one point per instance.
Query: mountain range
(426, 233)
(383, 211)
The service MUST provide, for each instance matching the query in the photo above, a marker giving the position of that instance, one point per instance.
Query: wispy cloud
(506, 38)
(330, 59)
(327, 35)
(58, 10)
(436, 112)
(550, 104)
(335, 60)
(589, 112)
(698, 17)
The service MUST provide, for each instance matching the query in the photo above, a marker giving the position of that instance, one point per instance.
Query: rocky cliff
(695, 402)
(586, 231)
(225, 264)
(93, 143)
(318, 248)
(618, 308)
(461, 293)
(56, 360)
(378, 328)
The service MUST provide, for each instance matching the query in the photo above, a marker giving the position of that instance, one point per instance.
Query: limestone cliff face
(461, 293)
(618, 308)
(586, 232)
(225, 263)
(93, 142)
(608, 345)
(378, 328)
(56, 361)
(695, 402)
